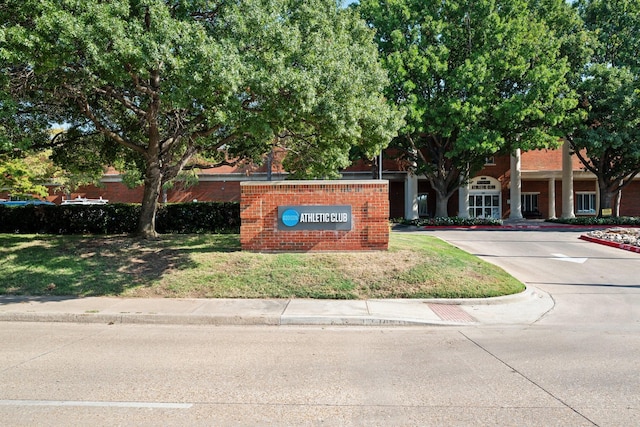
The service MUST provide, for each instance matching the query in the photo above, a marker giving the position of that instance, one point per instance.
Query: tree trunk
(153, 159)
(147, 221)
(616, 204)
(606, 200)
(442, 202)
(445, 185)
(618, 200)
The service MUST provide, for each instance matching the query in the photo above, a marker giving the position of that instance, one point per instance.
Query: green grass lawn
(213, 266)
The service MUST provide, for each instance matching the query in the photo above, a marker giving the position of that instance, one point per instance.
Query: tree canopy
(157, 86)
(25, 175)
(607, 139)
(477, 78)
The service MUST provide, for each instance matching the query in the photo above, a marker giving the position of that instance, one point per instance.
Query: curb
(140, 319)
(623, 246)
(364, 321)
(504, 299)
(163, 319)
(386, 313)
(516, 227)
(504, 227)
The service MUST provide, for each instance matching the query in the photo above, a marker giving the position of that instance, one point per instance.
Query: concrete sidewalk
(524, 308)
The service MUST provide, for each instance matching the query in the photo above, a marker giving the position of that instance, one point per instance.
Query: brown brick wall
(369, 203)
(117, 192)
(630, 203)
(112, 191)
(219, 191)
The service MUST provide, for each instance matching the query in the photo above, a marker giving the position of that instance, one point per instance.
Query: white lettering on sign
(339, 217)
(329, 217)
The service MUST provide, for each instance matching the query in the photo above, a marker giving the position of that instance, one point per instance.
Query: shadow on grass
(17, 299)
(97, 265)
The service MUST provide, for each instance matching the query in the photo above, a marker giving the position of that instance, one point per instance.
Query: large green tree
(607, 140)
(21, 170)
(153, 86)
(477, 78)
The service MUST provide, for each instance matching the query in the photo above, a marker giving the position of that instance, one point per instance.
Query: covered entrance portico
(485, 199)
(540, 189)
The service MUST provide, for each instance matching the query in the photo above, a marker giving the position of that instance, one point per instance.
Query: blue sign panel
(321, 217)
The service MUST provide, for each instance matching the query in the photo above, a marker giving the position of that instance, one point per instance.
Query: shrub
(25, 219)
(590, 220)
(190, 218)
(119, 218)
(450, 221)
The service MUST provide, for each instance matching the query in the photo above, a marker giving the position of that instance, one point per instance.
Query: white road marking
(75, 403)
(562, 257)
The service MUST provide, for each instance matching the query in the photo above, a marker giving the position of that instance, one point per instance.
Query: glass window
(586, 203)
(529, 202)
(422, 205)
(484, 206)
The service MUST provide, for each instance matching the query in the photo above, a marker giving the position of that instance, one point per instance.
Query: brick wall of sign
(369, 201)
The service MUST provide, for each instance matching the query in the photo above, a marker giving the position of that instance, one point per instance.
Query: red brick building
(552, 183)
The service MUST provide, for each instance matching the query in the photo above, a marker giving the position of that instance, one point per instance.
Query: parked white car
(85, 201)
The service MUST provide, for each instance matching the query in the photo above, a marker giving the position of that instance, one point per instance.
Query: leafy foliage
(118, 218)
(607, 140)
(189, 218)
(146, 85)
(590, 220)
(25, 175)
(451, 221)
(475, 77)
(32, 172)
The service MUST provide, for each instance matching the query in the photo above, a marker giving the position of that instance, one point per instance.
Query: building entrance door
(484, 198)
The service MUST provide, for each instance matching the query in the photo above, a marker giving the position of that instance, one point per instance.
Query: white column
(463, 201)
(516, 186)
(411, 197)
(567, 182)
(552, 198)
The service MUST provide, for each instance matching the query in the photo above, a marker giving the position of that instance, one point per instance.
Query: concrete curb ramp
(526, 307)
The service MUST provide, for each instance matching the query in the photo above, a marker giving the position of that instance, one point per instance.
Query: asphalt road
(576, 366)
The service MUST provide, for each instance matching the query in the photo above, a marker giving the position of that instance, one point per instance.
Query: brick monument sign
(300, 216)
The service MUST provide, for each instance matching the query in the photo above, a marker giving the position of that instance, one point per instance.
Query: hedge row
(118, 218)
(450, 221)
(590, 220)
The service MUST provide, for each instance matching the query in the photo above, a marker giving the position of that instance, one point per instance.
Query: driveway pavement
(590, 283)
